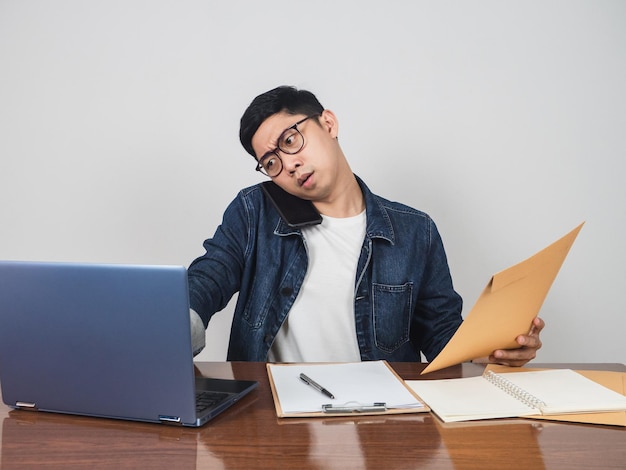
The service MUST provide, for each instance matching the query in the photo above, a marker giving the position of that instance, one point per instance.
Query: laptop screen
(99, 340)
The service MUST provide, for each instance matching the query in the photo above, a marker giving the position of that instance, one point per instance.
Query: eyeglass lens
(290, 142)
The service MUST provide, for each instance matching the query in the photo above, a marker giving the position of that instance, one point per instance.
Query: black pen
(316, 386)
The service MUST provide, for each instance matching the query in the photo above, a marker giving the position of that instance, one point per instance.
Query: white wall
(502, 119)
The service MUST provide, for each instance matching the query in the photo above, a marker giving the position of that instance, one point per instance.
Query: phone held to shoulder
(296, 212)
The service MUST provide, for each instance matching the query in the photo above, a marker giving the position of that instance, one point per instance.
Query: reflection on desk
(250, 435)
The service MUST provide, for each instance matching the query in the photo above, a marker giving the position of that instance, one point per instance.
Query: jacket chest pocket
(392, 315)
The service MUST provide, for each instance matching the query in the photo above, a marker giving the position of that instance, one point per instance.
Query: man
(370, 282)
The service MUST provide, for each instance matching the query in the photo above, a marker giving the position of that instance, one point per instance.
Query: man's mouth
(303, 179)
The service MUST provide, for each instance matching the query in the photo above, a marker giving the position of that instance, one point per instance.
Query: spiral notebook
(516, 394)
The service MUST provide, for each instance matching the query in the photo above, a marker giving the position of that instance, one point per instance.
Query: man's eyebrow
(269, 151)
(274, 144)
(267, 154)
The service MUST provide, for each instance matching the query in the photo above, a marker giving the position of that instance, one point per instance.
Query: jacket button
(286, 291)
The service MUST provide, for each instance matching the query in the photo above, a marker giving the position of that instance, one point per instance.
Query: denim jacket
(404, 301)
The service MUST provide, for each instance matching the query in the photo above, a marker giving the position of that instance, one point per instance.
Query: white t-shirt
(320, 326)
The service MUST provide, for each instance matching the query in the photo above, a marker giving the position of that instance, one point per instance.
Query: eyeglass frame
(260, 167)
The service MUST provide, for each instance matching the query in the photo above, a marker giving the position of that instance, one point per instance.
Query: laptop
(104, 340)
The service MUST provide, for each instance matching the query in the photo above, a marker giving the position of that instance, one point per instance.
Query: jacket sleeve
(216, 276)
(437, 314)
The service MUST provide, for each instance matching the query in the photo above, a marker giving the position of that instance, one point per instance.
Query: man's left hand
(529, 344)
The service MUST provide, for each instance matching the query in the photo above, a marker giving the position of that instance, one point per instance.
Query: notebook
(516, 394)
(104, 340)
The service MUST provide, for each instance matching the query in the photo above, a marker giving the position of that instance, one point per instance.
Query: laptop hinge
(23, 405)
(169, 419)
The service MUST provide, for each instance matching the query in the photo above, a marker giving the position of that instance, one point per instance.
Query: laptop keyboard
(206, 399)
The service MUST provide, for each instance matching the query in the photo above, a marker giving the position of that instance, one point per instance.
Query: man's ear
(329, 122)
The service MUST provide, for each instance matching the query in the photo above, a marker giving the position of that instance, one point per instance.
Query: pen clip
(379, 407)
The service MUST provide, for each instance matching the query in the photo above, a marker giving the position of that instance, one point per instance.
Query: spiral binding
(514, 390)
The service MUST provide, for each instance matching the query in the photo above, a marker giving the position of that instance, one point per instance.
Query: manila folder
(506, 307)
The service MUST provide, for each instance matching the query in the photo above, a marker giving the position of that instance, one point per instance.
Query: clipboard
(360, 389)
(506, 307)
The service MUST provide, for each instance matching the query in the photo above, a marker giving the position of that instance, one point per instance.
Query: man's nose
(291, 163)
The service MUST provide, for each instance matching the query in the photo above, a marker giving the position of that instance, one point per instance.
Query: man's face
(311, 172)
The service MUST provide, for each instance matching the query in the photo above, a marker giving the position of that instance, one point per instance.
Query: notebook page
(566, 391)
(468, 399)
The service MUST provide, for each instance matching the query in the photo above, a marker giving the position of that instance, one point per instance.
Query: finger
(520, 354)
(536, 326)
(529, 341)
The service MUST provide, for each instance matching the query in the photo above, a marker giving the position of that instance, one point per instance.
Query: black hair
(281, 99)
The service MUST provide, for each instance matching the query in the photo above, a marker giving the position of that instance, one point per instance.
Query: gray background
(504, 120)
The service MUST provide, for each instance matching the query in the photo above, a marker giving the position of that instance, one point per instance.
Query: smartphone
(296, 212)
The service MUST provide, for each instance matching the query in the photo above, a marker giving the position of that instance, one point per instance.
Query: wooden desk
(250, 436)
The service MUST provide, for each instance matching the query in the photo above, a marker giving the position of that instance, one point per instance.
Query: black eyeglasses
(290, 142)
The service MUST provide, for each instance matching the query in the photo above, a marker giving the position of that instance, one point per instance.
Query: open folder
(506, 307)
(340, 389)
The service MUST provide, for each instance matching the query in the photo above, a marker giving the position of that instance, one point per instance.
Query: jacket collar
(378, 223)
